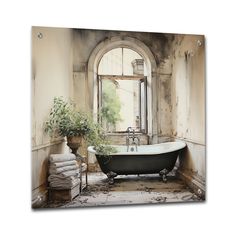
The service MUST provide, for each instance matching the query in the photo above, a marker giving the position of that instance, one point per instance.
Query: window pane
(120, 104)
(122, 95)
(111, 105)
(111, 63)
(128, 57)
(115, 62)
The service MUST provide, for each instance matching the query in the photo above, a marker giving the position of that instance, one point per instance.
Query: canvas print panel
(118, 118)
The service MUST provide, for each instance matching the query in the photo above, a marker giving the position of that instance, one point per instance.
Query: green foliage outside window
(111, 105)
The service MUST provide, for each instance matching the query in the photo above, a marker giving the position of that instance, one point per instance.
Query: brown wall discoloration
(86, 41)
(165, 106)
(166, 91)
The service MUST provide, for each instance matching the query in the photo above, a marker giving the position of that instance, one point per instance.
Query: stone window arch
(139, 47)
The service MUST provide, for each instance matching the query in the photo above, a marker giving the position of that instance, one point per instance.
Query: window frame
(142, 79)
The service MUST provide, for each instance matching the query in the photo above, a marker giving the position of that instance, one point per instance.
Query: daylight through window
(122, 91)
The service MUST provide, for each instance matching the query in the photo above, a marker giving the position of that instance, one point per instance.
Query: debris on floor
(132, 189)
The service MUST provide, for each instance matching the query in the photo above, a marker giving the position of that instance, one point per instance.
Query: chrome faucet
(135, 139)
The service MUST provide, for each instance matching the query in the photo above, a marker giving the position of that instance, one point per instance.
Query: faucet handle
(129, 129)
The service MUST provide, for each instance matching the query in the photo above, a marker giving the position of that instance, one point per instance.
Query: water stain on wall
(167, 90)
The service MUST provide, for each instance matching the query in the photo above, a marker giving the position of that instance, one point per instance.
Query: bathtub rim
(179, 145)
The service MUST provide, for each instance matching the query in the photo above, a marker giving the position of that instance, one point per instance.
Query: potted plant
(65, 121)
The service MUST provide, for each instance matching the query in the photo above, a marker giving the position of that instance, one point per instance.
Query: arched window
(122, 91)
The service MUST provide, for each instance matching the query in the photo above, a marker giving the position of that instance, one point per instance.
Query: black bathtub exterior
(114, 165)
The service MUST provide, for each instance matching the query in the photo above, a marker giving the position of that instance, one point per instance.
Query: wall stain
(167, 91)
(158, 43)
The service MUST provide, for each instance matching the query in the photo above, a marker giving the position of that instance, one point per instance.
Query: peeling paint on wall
(188, 102)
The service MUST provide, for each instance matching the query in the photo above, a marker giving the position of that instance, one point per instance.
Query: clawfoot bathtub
(148, 159)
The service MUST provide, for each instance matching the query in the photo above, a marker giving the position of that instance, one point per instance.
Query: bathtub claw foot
(163, 174)
(164, 179)
(111, 181)
(111, 175)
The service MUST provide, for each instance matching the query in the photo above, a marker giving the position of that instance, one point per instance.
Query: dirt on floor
(129, 190)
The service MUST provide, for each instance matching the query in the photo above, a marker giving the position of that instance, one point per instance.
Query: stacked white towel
(63, 170)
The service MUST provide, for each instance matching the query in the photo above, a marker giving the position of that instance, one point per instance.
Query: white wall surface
(52, 75)
(188, 102)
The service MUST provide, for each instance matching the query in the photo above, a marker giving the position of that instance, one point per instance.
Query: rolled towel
(53, 170)
(63, 163)
(61, 157)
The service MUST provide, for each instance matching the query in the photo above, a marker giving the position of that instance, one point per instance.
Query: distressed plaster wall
(188, 103)
(52, 75)
(164, 96)
(86, 40)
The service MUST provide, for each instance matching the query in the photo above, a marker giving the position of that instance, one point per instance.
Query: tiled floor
(133, 189)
